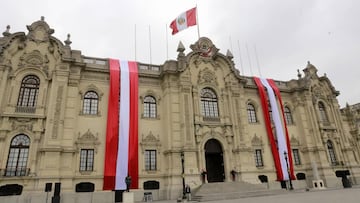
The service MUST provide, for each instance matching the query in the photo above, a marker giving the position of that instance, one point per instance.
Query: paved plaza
(349, 195)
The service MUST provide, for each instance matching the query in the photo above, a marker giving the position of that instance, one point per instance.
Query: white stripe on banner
(124, 118)
(281, 141)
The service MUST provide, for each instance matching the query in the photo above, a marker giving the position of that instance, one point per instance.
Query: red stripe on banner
(191, 17)
(112, 127)
(264, 104)
(133, 166)
(277, 92)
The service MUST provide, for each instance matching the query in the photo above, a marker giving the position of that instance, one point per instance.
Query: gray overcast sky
(285, 33)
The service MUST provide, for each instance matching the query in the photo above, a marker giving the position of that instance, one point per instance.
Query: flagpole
(150, 45)
(197, 22)
(241, 63)
(167, 43)
(135, 41)
(257, 60)
(247, 50)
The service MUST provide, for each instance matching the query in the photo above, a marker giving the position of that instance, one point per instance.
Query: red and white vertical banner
(280, 143)
(121, 152)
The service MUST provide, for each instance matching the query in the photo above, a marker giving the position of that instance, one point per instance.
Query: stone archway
(214, 161)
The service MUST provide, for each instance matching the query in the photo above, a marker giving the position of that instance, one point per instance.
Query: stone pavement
(348, 195)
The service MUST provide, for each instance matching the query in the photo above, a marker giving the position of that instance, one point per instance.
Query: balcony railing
(19, 171)
(211, 119)
(25, 109)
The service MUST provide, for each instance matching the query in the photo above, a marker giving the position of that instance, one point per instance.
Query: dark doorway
(214, 161)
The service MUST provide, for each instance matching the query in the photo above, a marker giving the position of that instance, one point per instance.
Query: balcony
(10, 172)
(211, 119)
(25, 109)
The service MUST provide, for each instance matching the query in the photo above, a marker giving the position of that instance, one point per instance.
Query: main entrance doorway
(214, 161)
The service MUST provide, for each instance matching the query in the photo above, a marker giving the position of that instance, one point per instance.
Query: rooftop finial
(7, 31)
(299, 74)
(68, 41)
(42, 18)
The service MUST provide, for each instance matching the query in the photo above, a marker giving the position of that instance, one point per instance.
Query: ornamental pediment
(33, 59)
(39, 31)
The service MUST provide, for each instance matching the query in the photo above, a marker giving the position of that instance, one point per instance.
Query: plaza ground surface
(349, 195)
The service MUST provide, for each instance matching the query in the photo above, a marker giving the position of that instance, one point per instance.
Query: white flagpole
(135, 41)
(150, 45)
(257, 60)
(167, 43)
(197, 22)
(247, 50)
(241, 63)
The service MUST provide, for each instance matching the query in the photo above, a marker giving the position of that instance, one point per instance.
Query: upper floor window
(258, 158)
(150, 160)
(18, 156)
(288, 116)
(331, 152)
(251, 113)
(322, 111)
(86, 160)
(209, 103)
(296, 156)
(29, 91)
(91, 100)
(149, 107)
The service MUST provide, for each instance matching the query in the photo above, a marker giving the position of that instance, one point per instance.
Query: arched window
(18, 155)
(91, 100)
(322, 111)
(209, 103)
(251, 113)
(29, 91)
(331, 151)
(288, 116)
(149, 107)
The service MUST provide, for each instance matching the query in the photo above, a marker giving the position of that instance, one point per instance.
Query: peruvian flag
(184, 21)
(121, 152)
(279, 138)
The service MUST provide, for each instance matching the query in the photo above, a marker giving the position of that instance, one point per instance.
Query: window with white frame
(150, 160)
(209, 103)
(87, 160)
(251, 113)
(296, 155)
(258, 158)
(331, 152)
(149, 107)
(91, 100)
(18, 156)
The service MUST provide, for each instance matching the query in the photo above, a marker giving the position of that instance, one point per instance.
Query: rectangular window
(150, 160)
(258, 158)
(87, 160)
(296, 156)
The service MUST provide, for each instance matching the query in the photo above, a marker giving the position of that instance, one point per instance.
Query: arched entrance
(214, 161)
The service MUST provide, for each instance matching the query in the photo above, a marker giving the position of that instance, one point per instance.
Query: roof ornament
(42, 18)
(299, 74)
(180, 47)
(229, 54)
(68, 41)
(7, 31)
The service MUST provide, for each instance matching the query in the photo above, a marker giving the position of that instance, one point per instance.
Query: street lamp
(183, 173)
(288, 170)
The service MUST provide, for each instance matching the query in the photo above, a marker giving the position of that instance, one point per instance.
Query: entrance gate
(214, 161)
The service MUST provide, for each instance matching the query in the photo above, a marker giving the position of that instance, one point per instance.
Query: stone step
(232, 190)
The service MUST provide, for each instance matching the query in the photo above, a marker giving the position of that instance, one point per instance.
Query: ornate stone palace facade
(53, 115)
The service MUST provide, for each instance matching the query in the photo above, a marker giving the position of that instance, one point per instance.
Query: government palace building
(198, 121)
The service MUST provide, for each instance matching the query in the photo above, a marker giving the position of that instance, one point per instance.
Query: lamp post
(183, 173)
(288, 170)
